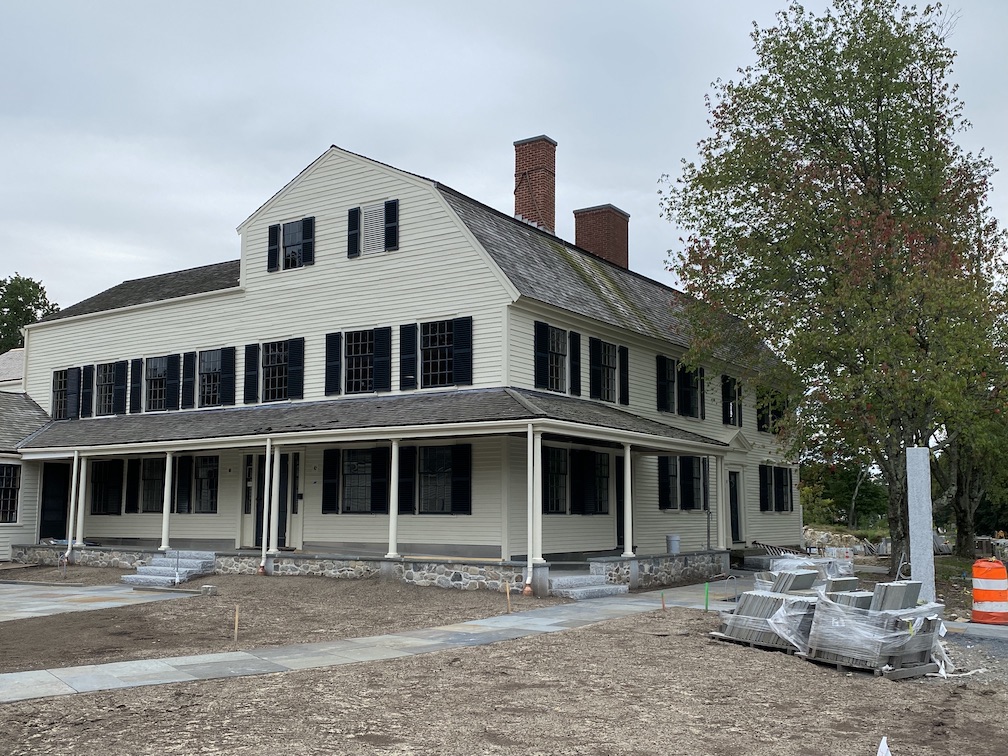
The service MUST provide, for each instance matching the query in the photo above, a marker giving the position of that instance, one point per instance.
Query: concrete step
(184, 573)
(160, 581)
(190, 554)
(204, 565)
(591, 591)
(576, 580)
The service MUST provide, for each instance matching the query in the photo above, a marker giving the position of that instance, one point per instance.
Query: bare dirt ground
(653, 683)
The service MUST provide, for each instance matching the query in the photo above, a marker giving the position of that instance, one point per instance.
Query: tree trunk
(862, 474)
(969, 494)
(899, 517)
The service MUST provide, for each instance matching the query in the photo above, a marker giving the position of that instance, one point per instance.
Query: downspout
(530, 501)
(267, 495)
(73, 506)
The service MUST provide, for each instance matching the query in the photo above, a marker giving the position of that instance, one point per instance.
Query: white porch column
(537, 522)
(530, 496)
(393, 507)
(167, 499)
(274, 526)
(723, 513)
(627, 503)
(72, 518)
(82, 495)
(267, 495)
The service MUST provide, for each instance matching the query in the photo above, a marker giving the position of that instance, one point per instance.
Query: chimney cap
(541, 137)
(602, 207)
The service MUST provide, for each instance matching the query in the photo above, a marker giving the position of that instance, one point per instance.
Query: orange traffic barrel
(990, 592)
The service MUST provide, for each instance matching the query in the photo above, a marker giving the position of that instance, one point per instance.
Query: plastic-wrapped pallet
(750, 622)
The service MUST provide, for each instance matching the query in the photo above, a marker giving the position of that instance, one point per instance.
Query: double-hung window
(357, 480)
(205, 472)
(775, 489)
(152, 484)
(210, 378)
(609, 371)
(554, 480)
(59, 395)
(666, 372)
(435, 476)
(157, 377)
(769, 411)
(683, 483)
(106, 487)
(359, 360)
(435, 480)
(690, 391)
(557, 360)
(274, 371)
(731, 401)
(10, 483)
(291, 245)
(104, 388)
(436, 353)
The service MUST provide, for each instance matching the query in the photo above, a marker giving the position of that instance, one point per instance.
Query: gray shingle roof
(442, 408)
(12, 365)
(19, 418)
(547, 269)
(181, 283)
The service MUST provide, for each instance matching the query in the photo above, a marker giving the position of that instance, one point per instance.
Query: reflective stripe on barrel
(990, 592)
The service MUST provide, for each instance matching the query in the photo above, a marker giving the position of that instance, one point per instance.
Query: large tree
(833, 211)
(22, 301)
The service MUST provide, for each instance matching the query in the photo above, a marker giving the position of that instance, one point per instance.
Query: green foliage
(22, 301)
(839, 483)
(833, 212)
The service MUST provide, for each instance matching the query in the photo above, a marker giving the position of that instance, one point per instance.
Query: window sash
(274, 371)
(210, 378)
(436, 353)
(358, 347)
(554, 480)
(608, 364)
(205, 470)
(435, 480)
(357, 480)
(152, 480)
(104, 387)
(10, 483)
(157, 383)
(557, 359)
(293, 249)
(59, 397)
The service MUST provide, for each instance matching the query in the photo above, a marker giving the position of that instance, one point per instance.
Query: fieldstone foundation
(661, 569)
(86, 556)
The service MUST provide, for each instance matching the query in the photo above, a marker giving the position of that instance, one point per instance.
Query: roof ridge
(524, 401)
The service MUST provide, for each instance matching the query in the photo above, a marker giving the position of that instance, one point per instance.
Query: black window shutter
(790, 490)
(382, 364)
(308, 241)
(689, 478)
(661, 366)
(295, 368)
(172, 382)
(132, 485)
(582, 481)
(462, 351)
(188, 380)
(73, 393)
(738, 408)
(541, 354)
(353, 233)
(705, 481)
(119, 371)
(407, 479)
(574, 355)
(702, 388)
(407, 356)
(780, 488)
(623, 361)
(333, 355)
(727, 397)
(87, 391)
(227, 376)
(594, 368)
(380, 480)
(183, 483)
(764, 488)
(664, 489)
(136, 386)
(273, 249)
(330, 481)
(391, 225)
(462, 479)
(251, 373)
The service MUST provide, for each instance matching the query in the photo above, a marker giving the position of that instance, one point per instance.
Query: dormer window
(374, 228)
(292, 244)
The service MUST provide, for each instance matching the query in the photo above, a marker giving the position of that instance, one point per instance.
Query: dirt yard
(652, 683)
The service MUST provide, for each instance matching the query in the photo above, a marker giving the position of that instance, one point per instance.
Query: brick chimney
(603, 230)
(535, 181)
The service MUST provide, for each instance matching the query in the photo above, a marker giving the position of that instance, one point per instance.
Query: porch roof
(372, 413)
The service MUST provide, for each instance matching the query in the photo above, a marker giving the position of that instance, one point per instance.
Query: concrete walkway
(17, 686)
(21, 600)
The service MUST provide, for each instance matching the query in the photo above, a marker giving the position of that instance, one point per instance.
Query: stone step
(591, 591)
(184, 573)
(190, 554)
(160, 581)
(204, 565)
(577, 580)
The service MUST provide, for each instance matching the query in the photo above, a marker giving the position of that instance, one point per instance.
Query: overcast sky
(135, 136)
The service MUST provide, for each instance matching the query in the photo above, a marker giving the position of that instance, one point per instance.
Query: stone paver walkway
(21, 600)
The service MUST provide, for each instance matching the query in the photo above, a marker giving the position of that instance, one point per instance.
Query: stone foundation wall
(88, 556)
(460, 575)
(662, 569)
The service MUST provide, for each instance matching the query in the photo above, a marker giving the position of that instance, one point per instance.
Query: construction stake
(236, 625)
(507, 592)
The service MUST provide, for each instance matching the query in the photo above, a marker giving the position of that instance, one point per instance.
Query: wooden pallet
(789, 649)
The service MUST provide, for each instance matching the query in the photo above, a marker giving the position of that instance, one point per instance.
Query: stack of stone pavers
(753, 621)
(887, 632)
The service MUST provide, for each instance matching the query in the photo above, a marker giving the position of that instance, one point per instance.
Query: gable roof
(12, 365)
(547, 269)
(20, 417)
(181, 283)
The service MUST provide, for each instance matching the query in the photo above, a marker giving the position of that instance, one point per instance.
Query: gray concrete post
(921, 534)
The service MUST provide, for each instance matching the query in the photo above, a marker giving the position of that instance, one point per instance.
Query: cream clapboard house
(391, 368)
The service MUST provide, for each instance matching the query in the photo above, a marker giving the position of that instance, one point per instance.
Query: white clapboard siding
(436, 273)
(25, 530)
(652, 524)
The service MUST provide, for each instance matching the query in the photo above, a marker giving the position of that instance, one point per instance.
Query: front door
(55, 500)
(261, 499)
(733, 502)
